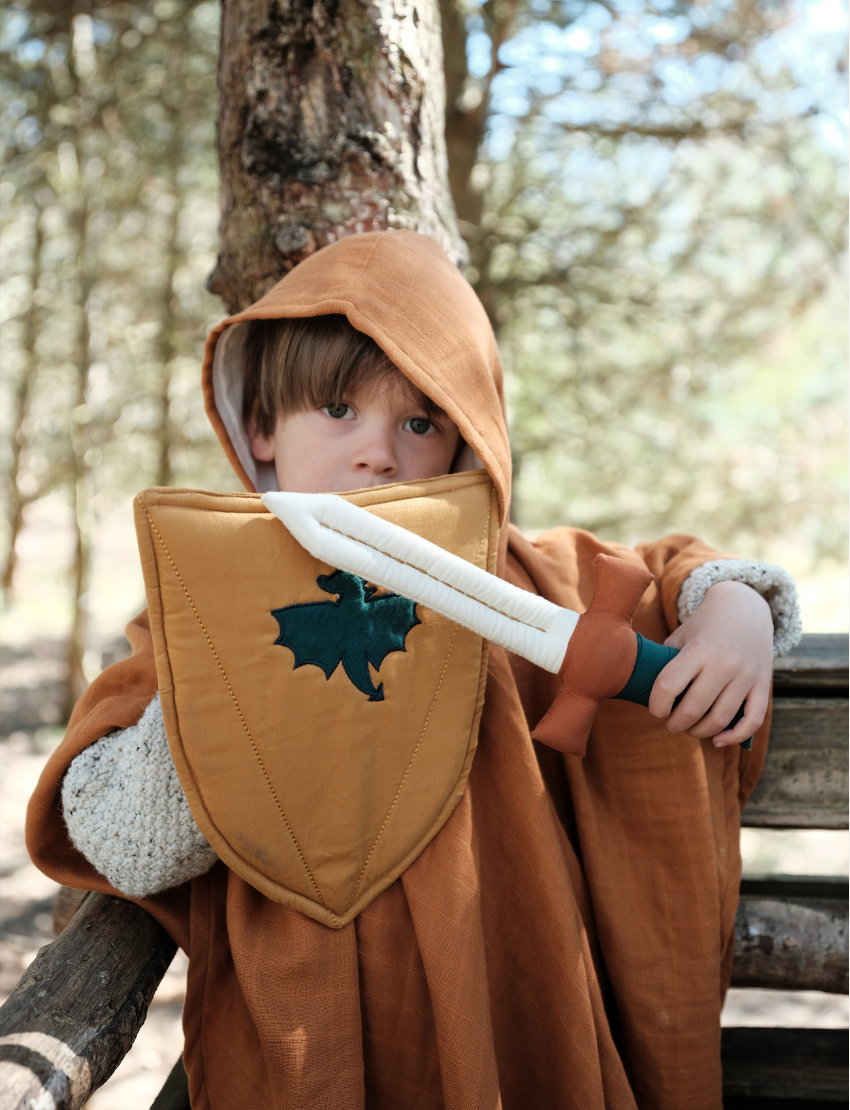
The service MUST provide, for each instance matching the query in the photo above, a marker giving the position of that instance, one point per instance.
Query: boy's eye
(338, 412)
(418, 425)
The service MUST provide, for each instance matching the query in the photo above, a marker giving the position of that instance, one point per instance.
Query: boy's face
(379, 434)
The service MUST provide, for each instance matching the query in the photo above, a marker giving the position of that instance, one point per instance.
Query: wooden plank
(836, 887)
(804, 782)
(819, 660)
(65, 904)
(733, 1102)
(175, 1091)
(79, 1005)
(785, 1064)
(791, 942)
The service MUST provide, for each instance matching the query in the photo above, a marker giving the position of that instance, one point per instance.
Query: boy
(565, 906)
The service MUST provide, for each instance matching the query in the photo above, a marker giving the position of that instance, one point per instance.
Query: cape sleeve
(559, 565)
(116, 699)
(672, 560)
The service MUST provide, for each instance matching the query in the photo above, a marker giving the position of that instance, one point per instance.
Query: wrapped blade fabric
(560, 895)
(339, 532)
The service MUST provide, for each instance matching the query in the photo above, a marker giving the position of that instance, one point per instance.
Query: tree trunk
(168, 323)
(79, 468)
(331, 123)
(466, 117)
(165, 348)
(79, 478)
(17, 502)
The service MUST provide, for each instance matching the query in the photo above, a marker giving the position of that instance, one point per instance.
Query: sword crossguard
(600, 657)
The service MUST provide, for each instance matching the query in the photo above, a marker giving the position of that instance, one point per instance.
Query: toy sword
(596, 654)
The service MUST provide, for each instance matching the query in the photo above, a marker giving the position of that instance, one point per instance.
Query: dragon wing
(390, 618)
(311, 632)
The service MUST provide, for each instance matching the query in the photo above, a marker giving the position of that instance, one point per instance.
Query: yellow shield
(323, 730)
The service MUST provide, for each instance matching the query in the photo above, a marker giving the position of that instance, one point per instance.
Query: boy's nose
(376, 458)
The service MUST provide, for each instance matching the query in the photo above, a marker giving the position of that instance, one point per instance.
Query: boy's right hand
(725, 659)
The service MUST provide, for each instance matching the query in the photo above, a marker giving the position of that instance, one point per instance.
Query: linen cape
(566, 938)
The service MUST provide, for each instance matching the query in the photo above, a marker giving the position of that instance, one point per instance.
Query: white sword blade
(354, 540)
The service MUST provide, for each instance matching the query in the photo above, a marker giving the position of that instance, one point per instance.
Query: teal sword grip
(651, 660)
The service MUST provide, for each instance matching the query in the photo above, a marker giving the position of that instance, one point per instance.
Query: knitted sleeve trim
(774, 584)
(127, 814)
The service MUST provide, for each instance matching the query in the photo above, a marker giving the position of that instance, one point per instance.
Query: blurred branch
(468, 106)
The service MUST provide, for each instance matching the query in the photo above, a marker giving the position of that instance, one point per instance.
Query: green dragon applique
(357, 629)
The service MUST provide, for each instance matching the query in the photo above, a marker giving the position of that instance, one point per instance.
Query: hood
(399, 288)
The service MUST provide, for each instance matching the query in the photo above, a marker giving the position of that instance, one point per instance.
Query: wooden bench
(791, 931)
(78, 1007)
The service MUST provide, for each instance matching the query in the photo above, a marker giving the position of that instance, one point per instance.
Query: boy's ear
(262, 446)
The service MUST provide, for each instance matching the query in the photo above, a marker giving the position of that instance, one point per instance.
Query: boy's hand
(727, 657)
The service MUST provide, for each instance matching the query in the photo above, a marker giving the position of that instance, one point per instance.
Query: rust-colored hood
(399, 288)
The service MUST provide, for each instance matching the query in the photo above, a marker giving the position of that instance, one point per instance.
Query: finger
(697, 702)
(754, 714)
(671, 681)
(722, 710)
(677, 638)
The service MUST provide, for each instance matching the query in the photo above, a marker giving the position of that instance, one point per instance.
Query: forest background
(653, 197)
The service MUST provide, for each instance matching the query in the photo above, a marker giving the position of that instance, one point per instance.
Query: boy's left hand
(727, 657)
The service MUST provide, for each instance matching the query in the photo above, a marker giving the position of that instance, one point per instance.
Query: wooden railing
(804, 783)
(79, 1005)
(791, 931)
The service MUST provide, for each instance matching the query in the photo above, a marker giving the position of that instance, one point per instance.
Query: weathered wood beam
(175, 1091)
(819, 660)
(784, 1064)
(804, 783)
(79, 1005)
(792, 941)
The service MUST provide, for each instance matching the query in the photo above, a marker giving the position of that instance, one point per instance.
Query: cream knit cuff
(126, 811)
(774, 584)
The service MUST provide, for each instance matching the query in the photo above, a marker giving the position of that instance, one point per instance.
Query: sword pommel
(600, 656)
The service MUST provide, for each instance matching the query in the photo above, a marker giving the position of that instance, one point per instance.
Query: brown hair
(294, 365)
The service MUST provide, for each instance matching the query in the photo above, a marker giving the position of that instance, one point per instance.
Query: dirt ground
(30, 690)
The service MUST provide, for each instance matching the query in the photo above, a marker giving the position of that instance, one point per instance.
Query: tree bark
(331, 123)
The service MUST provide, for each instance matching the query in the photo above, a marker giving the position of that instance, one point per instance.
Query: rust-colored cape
(565, 940)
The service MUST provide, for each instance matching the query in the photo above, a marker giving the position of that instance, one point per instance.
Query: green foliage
(661, 212)
(646, 390)
(108, 143)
